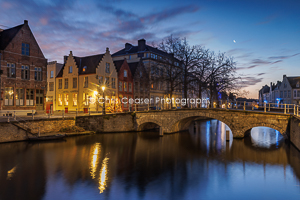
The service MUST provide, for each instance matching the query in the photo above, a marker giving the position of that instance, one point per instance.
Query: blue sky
(266, 31)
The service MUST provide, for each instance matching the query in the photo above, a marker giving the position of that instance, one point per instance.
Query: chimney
(284, 76)
(65, 59)
(127, 46)
(107, 50)
(141, 45)
(25, 21)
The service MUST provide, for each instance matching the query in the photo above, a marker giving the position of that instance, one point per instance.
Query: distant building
(152, 59)
(290, 90)
(79, 83)
(264, 94)
(23, 81)
(52, 71)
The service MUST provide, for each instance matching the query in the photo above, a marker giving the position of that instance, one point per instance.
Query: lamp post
(103, 88)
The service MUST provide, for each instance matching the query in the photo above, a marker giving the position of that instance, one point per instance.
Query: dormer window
(84, 69)
(70, 69)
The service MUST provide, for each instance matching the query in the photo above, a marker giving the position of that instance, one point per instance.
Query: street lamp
(103, 88)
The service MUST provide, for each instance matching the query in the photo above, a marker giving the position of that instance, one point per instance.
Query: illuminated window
(84, 69)
(29, 97)
(125, 86)
(19, 97)
(125, 73)
(66, 99)
(60, 99)
(9, 96)
(51, 86)
(74, 99)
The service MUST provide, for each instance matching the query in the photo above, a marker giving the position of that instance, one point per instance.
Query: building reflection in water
(197, 164)
(103, 175)
(94, 160)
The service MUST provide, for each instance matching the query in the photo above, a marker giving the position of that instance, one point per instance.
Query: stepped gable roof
(118, 64)
(90, 62)
(133, 66)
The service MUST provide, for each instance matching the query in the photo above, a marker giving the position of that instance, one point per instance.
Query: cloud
(283, 57)
(268, 19)
(260, 74)
(248, 81)
(169, 13)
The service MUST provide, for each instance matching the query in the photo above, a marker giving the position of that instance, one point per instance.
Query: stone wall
(14, 131)
(295, 131)
(109, 123)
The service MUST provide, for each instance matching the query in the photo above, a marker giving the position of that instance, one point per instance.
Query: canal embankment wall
(122, 122)
(18, 131)
(294, 133)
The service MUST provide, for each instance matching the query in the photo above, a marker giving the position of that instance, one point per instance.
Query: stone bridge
(240, 122)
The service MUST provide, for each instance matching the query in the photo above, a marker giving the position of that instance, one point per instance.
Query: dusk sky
(263, 36)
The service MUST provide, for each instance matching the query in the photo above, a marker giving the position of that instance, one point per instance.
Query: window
(86, 82)
(101, 80)
(297, 85)
(20, 97)
(107, 81)
(29, 97)
(85, 99)
(284, 85)
(84, 68)
(11, 70)
(25, 72)
(107, 68)
(38, 73)
(289, 93)
(146, 55)
(285, 94)
(70, 69)
(153, 56)
(25, 49)
(51, 86)
(129, 57)
(157, 71)
(74, 99)
(125, 86)
(120, 86)
(60, 99)
(66, 99)
(295, 93)
(281, 94)
(113, 82)
(74, 82)
(125, 73)
(59, 83)
(141, 73)
(130, 87)
(66, 83)
(9, 96)
(51, 74)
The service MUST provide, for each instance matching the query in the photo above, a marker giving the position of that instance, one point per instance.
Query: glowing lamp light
(95, 93)
(103, 88)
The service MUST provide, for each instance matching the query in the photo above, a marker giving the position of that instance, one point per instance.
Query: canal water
(197, 164)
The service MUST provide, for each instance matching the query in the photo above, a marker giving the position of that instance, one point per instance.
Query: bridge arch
(182, 123)
(149, 124)
(247, 129)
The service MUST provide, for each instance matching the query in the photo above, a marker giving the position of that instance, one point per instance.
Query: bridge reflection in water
(195, 164)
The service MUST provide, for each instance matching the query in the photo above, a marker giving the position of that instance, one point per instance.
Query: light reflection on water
(198, 164)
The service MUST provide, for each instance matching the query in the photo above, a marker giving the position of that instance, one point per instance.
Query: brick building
(23, 81)
(125, 84)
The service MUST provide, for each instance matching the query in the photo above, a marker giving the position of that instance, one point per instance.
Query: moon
(234, 41)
